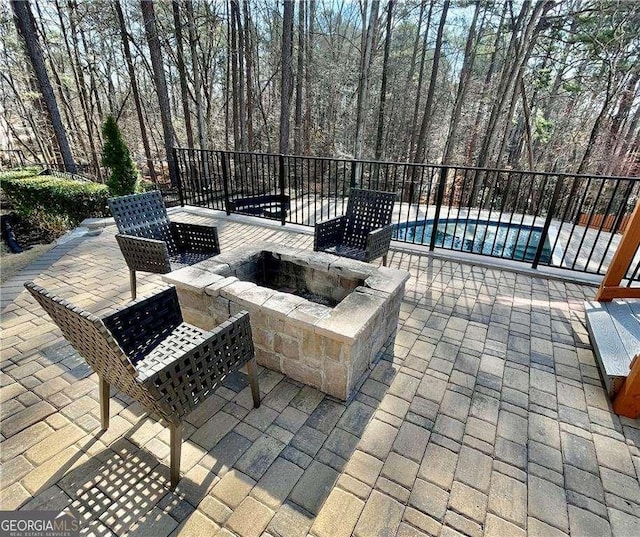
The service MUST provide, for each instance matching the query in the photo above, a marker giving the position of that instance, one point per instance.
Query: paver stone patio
(485, 416)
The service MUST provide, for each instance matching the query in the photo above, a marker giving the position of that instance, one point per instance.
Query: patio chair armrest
(146, 255)
(142, 325)
(182, 382)
(329, 233)
(378, 242)
(195, 238)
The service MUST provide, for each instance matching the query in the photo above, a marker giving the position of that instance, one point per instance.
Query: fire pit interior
(288, 276)
(320, 319)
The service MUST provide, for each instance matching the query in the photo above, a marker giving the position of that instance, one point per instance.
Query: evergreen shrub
(123, 176)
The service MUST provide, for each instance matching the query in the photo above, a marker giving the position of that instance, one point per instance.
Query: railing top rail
(422, 164)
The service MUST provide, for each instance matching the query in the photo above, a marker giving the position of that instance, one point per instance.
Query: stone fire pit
(318, 318)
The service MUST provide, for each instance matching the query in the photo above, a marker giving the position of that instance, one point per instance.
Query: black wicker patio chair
(150, 242)
(364, 232)
(148, 352)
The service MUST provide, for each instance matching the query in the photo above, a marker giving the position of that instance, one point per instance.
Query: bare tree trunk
(248, 52)
(184, 89)
(287, 75)
(241, 100)
(195, 67)
(510, 130)
(297, 129)
(16, 136)
(26, 118)
(75, 132)
(625, 145)
(228, 82)
(518, 89)
(82, 90)
(383, 83)
(503, 86)
(632, 157)
(520, 50)
(75, 129)
(410, 73)
(419, 154)
(93, 90)
(625, 104)
(416, 107)
(311, 13)
(236, 106)
(471, 146)
(597, 124)
(363, 85)
(134, 88)
(521, 45)
(149, 17)
(153, 138)
(527, 123)
(25, 25)
(467, 66)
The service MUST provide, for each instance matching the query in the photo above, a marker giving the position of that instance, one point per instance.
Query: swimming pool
(499, 239)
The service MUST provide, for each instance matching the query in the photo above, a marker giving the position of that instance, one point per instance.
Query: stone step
(614, 330)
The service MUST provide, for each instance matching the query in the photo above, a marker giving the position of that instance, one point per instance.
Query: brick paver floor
(485, 416)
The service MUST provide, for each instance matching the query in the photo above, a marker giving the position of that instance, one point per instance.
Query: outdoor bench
(269, 205)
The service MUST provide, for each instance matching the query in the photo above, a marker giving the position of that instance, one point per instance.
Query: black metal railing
(555, 219)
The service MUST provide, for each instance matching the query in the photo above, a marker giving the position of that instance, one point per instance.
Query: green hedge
(52, 201)
(20, 173)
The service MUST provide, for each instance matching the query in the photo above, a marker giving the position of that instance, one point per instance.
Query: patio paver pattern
(485, 416)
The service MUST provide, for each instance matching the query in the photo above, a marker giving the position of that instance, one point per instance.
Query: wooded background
(545, 85)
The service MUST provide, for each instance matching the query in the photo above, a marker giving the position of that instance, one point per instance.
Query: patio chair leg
(384, 260)
(175, 441)
(253, 381)
(104, 390)
(132, 283)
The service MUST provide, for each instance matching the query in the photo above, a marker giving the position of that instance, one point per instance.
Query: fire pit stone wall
(330, 348)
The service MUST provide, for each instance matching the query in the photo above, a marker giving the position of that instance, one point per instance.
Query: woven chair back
(137, 332)
(367, 210)
(143, 215)
(89, 336)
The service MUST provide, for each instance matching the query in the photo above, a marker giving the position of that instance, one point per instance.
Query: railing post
(352, 182)
(444, 171)
(178, 177)
(225, 181)
(547, 223)
(206, 181)
(283, 216)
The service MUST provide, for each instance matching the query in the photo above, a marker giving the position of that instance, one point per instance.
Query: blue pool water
(498, 239)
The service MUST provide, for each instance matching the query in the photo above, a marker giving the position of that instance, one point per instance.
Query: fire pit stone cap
(352, 316)
(215, 288)
(306, 258)
(309, 313)
(314, 260)
(351, 268)
(194, 278)
(384, 295)
(281, 251)
(255, 296)
(235, 289)
(283, 303)
(235, 257)
(387, 279)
